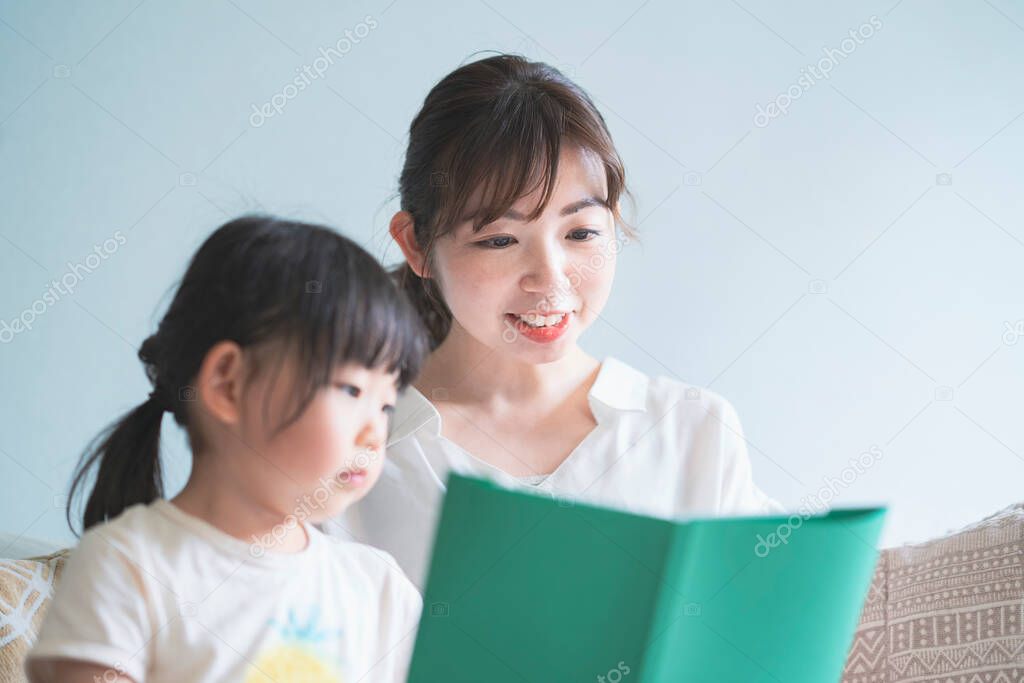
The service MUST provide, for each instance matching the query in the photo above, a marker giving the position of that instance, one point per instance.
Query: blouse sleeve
(740, 495)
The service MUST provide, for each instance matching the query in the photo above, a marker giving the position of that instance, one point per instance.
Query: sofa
(949, 610)
(946, 611)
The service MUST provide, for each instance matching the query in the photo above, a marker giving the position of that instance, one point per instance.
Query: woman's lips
(540, 335)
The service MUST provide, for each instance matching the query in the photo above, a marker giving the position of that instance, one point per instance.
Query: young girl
(282, 354)
(510, 227)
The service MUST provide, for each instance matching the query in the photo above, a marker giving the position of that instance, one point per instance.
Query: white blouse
(660, 447)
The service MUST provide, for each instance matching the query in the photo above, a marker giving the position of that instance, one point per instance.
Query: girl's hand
(73, 671)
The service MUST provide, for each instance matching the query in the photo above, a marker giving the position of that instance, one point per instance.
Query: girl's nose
(373, 435)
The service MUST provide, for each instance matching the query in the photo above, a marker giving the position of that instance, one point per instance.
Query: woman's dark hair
(280, 290)
(493, 126)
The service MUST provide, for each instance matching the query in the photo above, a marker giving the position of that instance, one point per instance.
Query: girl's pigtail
(128, 457)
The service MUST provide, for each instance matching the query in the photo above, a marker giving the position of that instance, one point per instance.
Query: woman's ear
(402, 230)
(220, 380)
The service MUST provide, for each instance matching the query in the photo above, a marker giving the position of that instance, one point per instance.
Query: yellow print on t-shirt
(295, 657)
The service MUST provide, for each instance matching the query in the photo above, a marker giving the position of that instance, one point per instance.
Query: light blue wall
(815, 270)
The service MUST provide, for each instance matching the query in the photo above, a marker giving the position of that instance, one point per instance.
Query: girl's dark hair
(493, 126)
(279, 289)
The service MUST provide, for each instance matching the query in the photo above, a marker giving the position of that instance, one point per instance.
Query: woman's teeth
(536, 320)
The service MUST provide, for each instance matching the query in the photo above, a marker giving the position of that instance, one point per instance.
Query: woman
(510, 226)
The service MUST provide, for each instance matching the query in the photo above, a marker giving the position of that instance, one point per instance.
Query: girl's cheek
(314, 446)
(333, 446)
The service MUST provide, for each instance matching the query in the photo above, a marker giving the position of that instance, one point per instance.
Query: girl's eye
(583, 234)
(388, 409)
(350, 388)
(494, 243)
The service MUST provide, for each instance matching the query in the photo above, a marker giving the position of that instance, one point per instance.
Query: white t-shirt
(162, 596)
(661, 448)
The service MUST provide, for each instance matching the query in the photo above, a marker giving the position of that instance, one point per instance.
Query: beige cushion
(26, 587)
(948, 610)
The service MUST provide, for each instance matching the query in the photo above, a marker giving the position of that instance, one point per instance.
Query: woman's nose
(546, 270)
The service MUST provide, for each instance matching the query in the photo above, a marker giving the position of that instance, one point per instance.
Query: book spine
(673, 609)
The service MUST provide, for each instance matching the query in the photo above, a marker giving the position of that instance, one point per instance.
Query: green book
(525, 587)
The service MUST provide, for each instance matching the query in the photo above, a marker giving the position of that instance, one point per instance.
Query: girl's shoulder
(375, 571)
(161, 540)
(131, 532)
(359, 559)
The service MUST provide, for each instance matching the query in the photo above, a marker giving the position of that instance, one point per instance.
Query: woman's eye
(350, 388)
(388, 409)
(583, 234)
(496, 242)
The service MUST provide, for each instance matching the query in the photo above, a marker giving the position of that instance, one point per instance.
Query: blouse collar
(618, 387)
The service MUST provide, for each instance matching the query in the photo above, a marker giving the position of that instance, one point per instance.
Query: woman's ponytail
(427, 300)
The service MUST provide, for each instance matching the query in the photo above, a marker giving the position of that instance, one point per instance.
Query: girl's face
(332, 455)
(560, 266)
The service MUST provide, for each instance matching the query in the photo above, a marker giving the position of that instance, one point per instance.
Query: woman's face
(560, 266)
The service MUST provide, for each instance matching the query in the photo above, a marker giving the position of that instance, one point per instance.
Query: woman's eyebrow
(567, 210)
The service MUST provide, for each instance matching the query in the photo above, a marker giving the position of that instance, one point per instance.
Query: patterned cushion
(946, 611)
(869, 655)
(26, 587)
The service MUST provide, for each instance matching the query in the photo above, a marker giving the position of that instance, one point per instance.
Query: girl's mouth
(352, 478)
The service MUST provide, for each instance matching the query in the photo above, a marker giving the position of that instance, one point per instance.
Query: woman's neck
(471, 373)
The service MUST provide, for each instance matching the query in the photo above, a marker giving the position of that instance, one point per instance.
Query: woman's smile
(542, 329)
